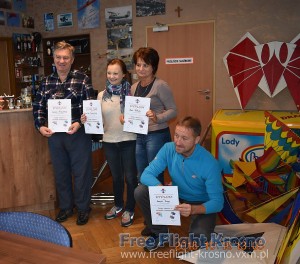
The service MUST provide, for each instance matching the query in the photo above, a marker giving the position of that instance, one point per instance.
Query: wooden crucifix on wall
(178, 10)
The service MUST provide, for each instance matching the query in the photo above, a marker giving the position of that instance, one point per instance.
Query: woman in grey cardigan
(162, 107)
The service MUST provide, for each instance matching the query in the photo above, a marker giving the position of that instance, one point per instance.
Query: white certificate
(163, 200)
(93, 112)
(59, 115)
(135, 117)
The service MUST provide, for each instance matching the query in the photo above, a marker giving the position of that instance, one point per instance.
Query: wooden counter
(26, 175)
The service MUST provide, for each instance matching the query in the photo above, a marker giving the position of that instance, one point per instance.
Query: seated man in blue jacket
(198, 177)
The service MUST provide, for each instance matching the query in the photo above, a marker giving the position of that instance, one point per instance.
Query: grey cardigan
(162, 103)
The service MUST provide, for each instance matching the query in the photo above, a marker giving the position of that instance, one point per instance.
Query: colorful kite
(272, 67)
(282, 139)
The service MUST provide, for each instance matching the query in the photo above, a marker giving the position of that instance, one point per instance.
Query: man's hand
(74, 128)
(184, 209)
(188, 209)
(45, 131)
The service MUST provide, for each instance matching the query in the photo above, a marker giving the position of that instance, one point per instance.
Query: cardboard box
(238, 134)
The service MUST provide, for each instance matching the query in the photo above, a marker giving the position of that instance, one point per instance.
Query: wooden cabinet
(82, 60)
(27, 63)
(26, 174)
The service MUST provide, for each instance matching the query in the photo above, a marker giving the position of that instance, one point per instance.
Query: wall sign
(179, 60)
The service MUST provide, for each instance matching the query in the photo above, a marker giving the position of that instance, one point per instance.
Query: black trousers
(121, 160)
(71, 157)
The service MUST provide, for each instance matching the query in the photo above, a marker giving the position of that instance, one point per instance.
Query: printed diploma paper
(135, 117)
(163, 200)
(94, 123)
(59, 115)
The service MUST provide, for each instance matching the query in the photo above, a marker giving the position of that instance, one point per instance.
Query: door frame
(206, 131)
(10, 61)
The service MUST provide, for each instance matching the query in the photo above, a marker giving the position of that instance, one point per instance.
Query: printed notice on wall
(179, 60)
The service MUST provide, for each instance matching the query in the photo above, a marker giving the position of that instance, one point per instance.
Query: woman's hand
(83, 118)
(121, 118)
(151, 114)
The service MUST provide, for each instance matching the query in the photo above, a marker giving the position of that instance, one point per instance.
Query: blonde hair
(61, 45)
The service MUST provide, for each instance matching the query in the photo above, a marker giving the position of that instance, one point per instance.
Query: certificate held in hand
(59, 115)
(135, 117)
(163, 200)
(93, 112)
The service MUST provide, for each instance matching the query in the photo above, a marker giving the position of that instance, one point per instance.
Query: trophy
(36, 41)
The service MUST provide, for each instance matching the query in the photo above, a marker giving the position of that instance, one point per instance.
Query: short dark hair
(149, 56)
(192, 123)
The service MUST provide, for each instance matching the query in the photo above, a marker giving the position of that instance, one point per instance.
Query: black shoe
(146, 231)
(154, 241)
(63, 215)
(83, 217)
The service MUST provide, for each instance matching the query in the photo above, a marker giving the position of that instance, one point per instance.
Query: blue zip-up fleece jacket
(198, 176)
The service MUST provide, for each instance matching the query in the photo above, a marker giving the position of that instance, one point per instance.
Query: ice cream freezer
(239, 134)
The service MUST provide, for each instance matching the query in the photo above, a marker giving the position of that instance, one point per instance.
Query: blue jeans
(147, 146)
(121, 160)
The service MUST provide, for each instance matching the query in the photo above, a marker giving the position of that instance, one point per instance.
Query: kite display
(264, 190)
(271, 66)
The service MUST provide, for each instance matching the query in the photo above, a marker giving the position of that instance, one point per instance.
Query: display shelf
(27, 63)
(82, 60)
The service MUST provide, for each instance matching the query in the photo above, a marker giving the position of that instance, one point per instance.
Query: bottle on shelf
(38, 61)
(29, 43)
(18, 44)
(26, 97)
(21, 43)
(33, 45)
(25, 43)
(49, 50)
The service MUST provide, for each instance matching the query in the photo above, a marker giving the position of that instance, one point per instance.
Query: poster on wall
(119, 38)
(19, 5)
(118, 17)
(124, 54)
(49, 21)
(5, 4)
(27, 21)
(88, 13)
(64, 20)
(13, 19)
(2, 18)
(150, 8)
(119, 34)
